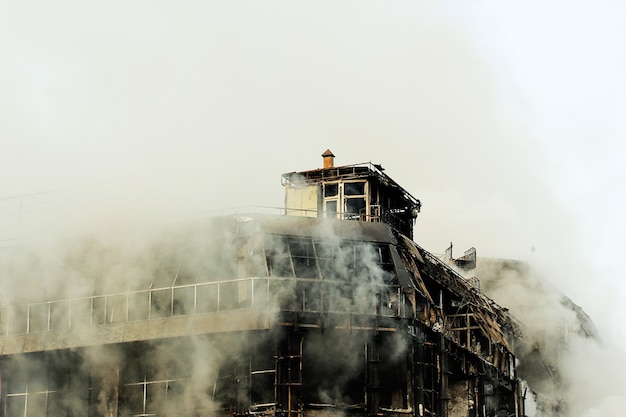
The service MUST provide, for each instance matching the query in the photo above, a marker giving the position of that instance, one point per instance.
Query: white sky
(504, 118)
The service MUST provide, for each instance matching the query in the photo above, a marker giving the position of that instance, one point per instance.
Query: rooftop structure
(351, 192)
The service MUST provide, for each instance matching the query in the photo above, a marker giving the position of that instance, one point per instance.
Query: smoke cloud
(562, 356)
(127, 115)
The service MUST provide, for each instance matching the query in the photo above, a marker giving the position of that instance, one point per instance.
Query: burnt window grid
(355, 200)
(256, 257)
(145, 397)
(250, 257)
(303, 257)
(184, 300)
(160, 303)
(34, 391)
(353, 253)
(382, 256)
(331, 200)
(331, 189)
(116, 308)
(327, 252)
(391, 301)
(186, 275)
(166, 298)
(28, 403)
(262, 376)
(278, 257)
(166, 272)
(98, 312)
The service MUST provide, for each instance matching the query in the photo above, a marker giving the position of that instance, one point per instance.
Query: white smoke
(563, 357)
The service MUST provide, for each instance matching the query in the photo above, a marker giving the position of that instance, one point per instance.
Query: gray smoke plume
(191, 372)
(562, 356)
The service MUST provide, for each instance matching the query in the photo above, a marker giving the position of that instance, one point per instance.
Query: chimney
(329, 159)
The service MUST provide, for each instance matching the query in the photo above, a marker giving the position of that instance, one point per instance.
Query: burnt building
(328, 310)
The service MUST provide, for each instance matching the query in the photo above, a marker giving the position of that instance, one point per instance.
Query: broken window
(149, 397)
(331, 189)
(325, 383)
(355, 205)
(166, 273)
(354, 208)
(35, 386)
(186, 276)
(277, 257)
(98, 310)
(149, 390)
(303, 257)
(327, 253)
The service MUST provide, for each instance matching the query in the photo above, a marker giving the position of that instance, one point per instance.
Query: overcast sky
(504, 118)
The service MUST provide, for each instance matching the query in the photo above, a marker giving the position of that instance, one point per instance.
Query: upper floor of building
(360, 192)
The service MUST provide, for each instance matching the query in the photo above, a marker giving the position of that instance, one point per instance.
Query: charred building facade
(329, 310)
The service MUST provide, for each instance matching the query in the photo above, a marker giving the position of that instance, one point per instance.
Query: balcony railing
(292, 294)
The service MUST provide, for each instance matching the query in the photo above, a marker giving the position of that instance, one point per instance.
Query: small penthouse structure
(351, 192)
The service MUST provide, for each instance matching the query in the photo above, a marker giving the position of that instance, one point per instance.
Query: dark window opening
(331, 190)
(303, 256)
(324, 382)
(354, 207)
(99, 312)
(354, 188)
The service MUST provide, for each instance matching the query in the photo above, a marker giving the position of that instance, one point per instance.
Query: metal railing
(293, 294)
